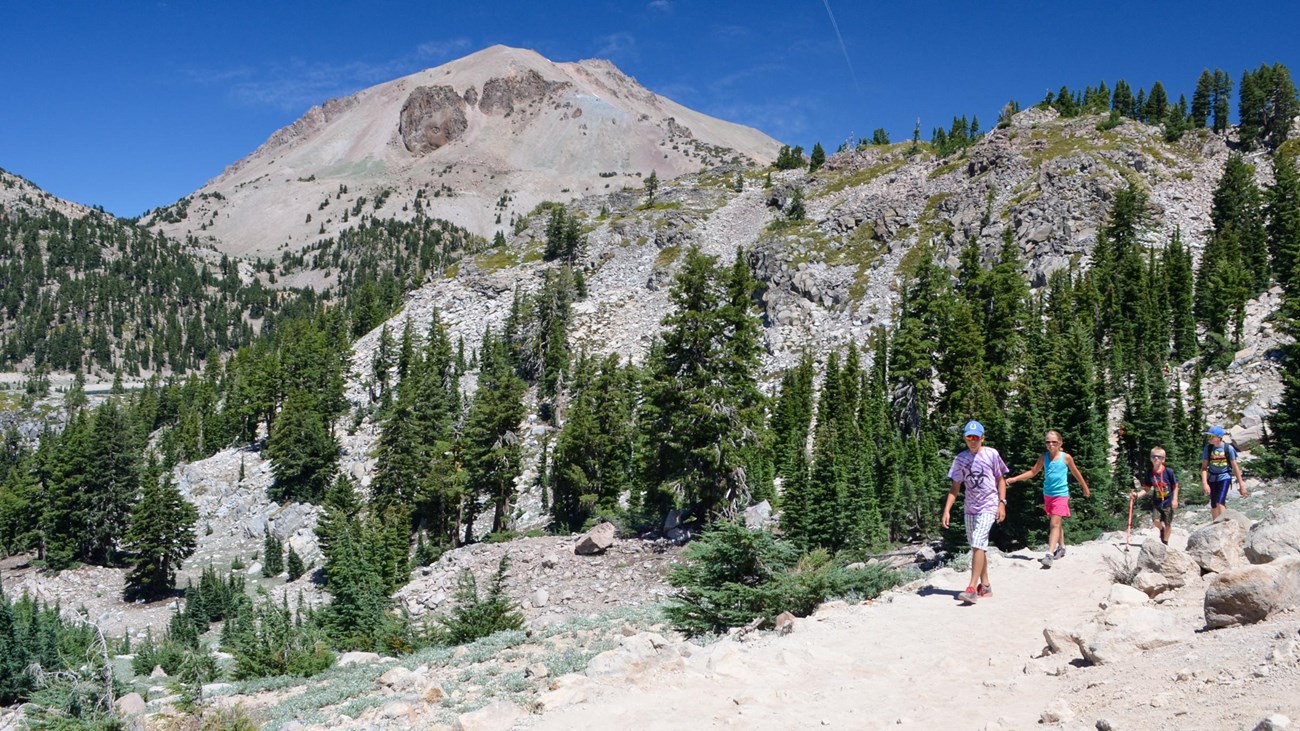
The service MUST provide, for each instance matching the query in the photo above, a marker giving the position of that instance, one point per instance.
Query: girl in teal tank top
(1056, 465)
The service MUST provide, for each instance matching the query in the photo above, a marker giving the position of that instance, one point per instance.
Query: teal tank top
(1055, 476)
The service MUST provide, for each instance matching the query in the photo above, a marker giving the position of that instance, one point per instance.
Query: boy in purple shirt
(983, 473)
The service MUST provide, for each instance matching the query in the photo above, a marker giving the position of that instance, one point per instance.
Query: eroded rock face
(504, 94)
(1276, 536)
(432, 117)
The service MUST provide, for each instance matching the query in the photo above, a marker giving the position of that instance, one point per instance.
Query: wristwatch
(1002, 502)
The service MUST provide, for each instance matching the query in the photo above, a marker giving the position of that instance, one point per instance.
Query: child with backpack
(1162, 483)
(1218, 465)
(1057, 465)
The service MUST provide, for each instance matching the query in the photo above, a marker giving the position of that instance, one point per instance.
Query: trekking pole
(1129, 530)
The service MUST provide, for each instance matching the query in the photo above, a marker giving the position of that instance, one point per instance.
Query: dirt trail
(920, 659)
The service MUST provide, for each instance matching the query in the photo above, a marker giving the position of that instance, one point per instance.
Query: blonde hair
(1055, 433)
(1159, 450)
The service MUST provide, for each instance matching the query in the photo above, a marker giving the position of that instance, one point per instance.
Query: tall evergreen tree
(492, 445)
(1202, 99)
(817, 158)
(303, 452)
(1221, 103)
(1284, 221)
(160, 537)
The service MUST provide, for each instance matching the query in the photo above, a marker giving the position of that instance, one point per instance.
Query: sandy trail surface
(917, 658)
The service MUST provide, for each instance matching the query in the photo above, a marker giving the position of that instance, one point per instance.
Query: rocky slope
(475, 141)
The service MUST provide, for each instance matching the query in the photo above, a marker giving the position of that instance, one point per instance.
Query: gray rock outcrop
(597, 540)
(1275, 536)
(1217, 547)
(1252, 593)
(431, 117)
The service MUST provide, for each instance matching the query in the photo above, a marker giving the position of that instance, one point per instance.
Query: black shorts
(1219, 492)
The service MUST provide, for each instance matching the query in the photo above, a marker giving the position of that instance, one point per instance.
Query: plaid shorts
(977, 529)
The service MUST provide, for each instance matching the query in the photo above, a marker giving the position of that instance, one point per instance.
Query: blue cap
(976, 429)
(1215, 431)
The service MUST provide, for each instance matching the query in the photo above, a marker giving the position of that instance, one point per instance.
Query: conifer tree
(1179, 287)
(817, 158)
(651, 188)
(293, 564)
(272, 555)
(492, 448)
(1221, 103)
(160, 537)
(1284, 221)
(302, 451)
(1201, 99)
(704, 413)
(792, 415)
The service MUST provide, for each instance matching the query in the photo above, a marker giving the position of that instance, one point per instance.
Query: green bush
(734, 575)
(473, 616)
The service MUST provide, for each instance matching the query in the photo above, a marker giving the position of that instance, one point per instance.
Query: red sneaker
(983, 592)
(969, 596)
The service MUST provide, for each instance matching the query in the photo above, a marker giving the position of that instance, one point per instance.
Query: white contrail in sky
(843, 47)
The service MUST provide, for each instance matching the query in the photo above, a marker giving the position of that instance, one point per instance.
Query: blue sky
(132, 105)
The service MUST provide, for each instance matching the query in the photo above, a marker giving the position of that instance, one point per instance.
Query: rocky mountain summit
(476, 141)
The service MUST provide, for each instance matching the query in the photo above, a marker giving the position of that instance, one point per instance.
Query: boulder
(1217, 547)
(595, 541)
(400, 678)
(1275, 722)
(357, 658)
(757, 516)
(1252, 593)
(493, 717)
(1276, 536)
(130, 704)
(1124, 595)
(1120, 634)
(1161, 569)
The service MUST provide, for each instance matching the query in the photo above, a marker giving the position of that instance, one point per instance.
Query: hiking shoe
(1059, 552)
(983, 592)
(969, 596)
(1046, 561)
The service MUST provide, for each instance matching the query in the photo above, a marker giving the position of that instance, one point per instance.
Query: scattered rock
(595, 541)
(541, 597)
(1252, 593)
(1275, 722)
(1119, 634)
(757, 516)
(784, 623)
(1058, 711)
(494, 717)
(357, 658)
(400, 678)
(158, 672)
(537, 670)
(1217, 547)
(1275, 536)
(1124, 595)
(131, 704)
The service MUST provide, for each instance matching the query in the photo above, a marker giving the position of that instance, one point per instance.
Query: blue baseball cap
(976, 429)
(1215, 431)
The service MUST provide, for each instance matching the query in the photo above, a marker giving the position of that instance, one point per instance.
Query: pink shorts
(1056, 506)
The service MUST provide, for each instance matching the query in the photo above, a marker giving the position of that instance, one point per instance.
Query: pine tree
(1284, 221)
(1201, 99)
(1179, 287)
(302, 451)
(492, 448)
(704, 431)
(160, 537)
(1221, 103)
(817, 158)
(651, 188)
(272, 555)
(792, 416)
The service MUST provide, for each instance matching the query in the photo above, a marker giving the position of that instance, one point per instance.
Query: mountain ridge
(502, 124)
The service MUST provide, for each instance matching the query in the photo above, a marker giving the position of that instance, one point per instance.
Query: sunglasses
(1049, 441)
(973, 438)
(1157, 456)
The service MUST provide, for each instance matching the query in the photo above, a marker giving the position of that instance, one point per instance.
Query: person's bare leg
(1054, 537)
(979, 570)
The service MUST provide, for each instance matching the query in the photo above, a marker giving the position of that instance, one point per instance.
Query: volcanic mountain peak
(477, 141)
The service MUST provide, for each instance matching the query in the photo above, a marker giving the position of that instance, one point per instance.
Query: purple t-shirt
(979, 472)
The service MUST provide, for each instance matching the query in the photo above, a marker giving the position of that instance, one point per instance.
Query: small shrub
(1124, 569)
(734, 575)
(474, 617)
